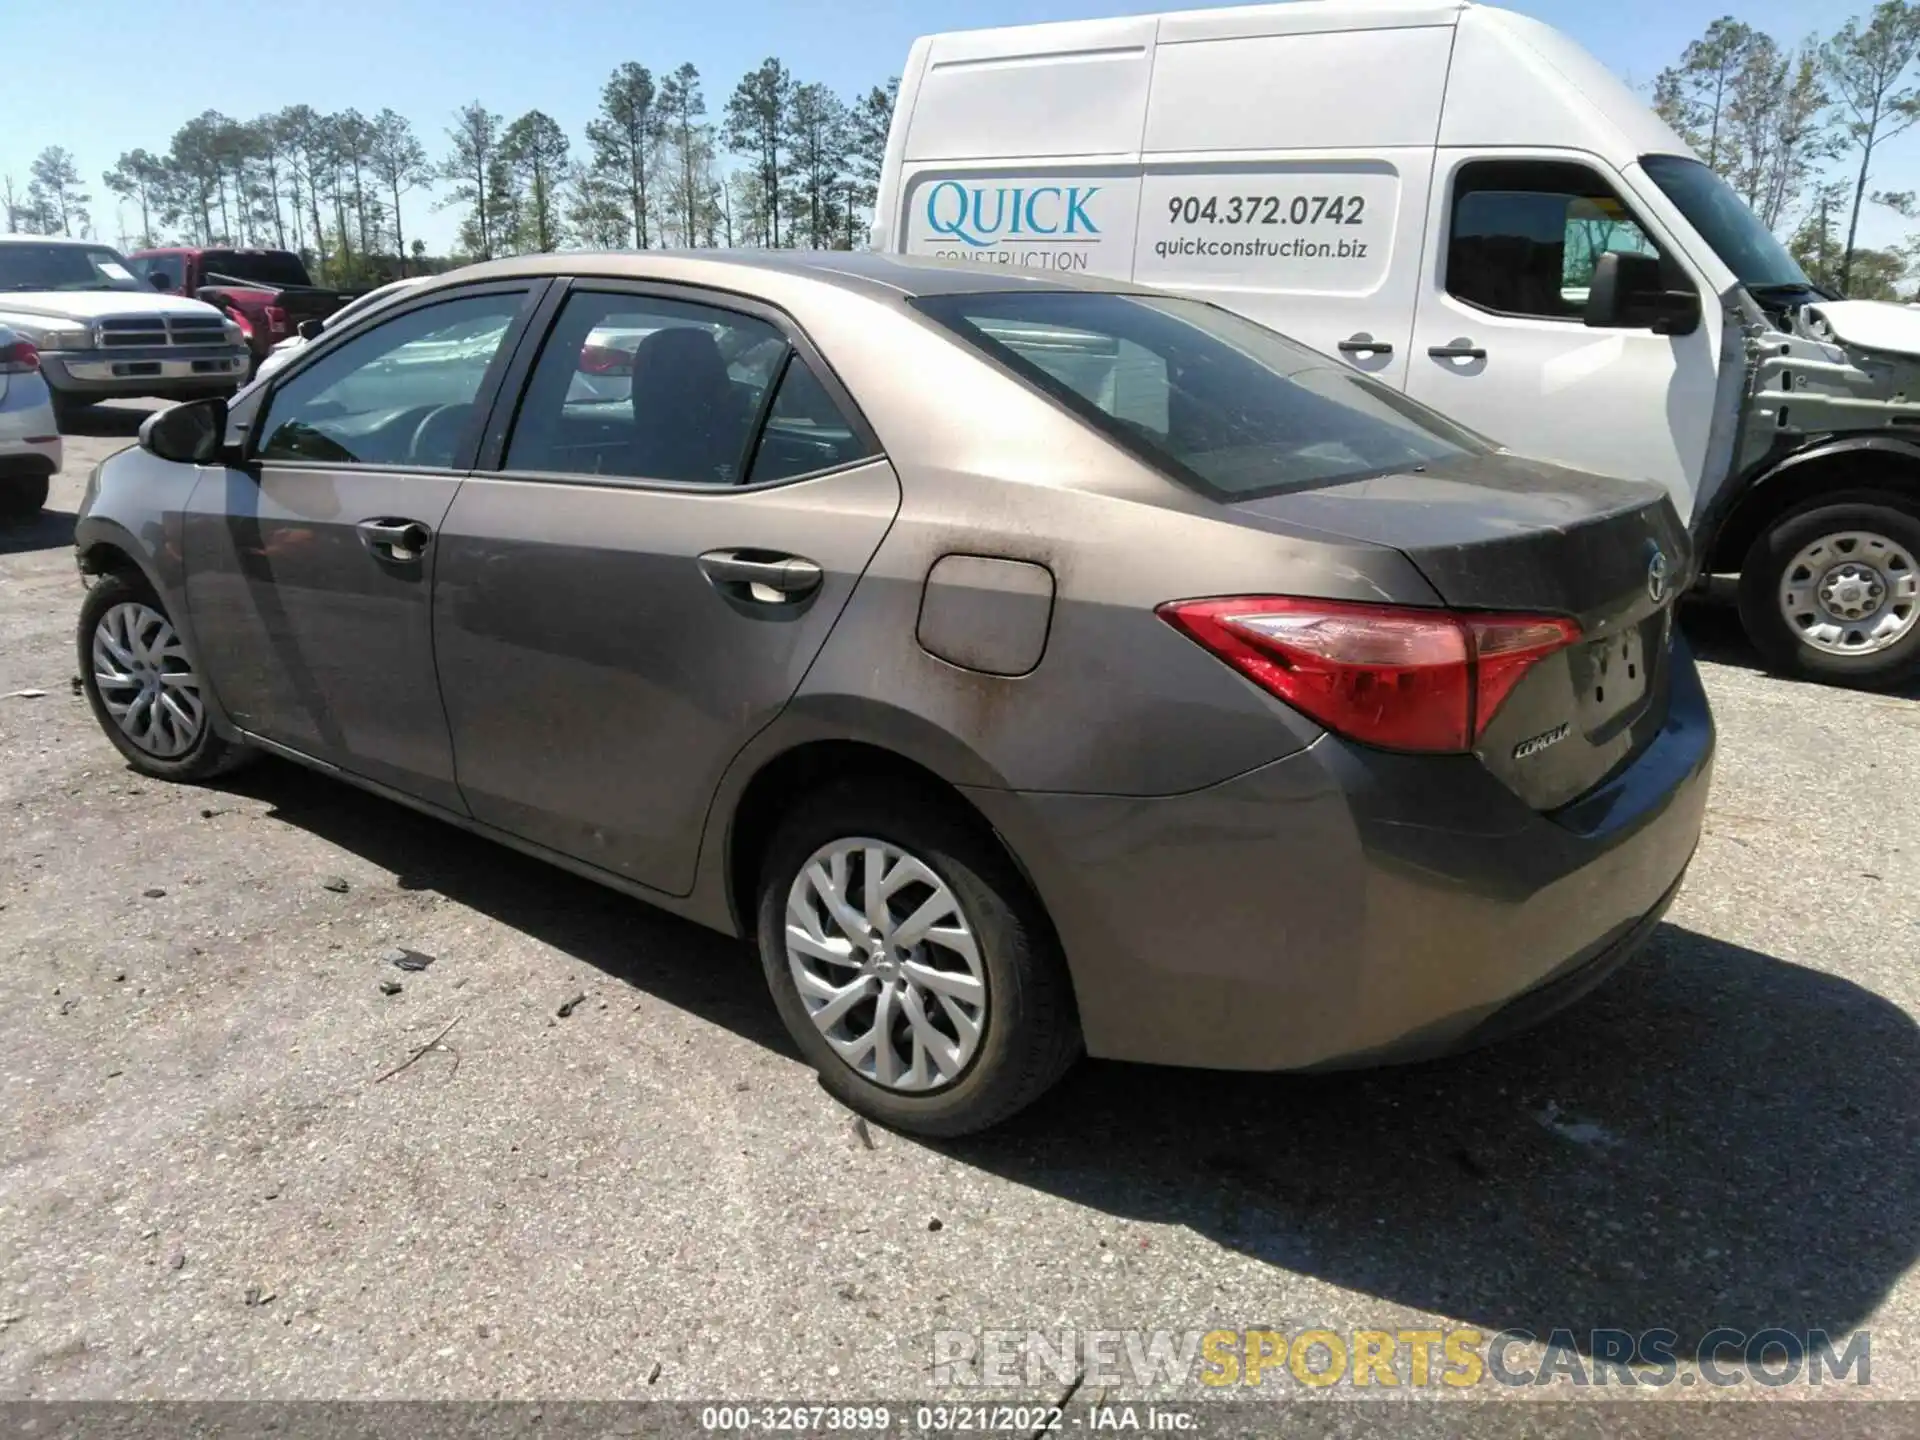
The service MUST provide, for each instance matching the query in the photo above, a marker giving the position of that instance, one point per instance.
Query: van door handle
(762, 575)
(1458, 350)
(397, 540)
(1363, 345)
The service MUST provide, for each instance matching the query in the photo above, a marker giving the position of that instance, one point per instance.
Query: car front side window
(405, 392)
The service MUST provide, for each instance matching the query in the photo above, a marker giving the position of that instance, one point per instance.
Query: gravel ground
(210, 1186)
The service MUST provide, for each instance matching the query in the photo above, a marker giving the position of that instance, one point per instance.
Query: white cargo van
(1464, 204)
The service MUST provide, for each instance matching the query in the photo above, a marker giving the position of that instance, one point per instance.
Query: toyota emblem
(1657, 576)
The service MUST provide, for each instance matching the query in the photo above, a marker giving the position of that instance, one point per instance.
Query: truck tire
(66, 408)
(1831, 591)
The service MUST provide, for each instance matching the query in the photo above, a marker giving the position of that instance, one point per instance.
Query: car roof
(768, 272)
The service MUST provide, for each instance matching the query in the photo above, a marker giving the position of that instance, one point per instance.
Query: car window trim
(534, 293)
(750, 451)
(492, 454)
(1668, 266)
(667, 487)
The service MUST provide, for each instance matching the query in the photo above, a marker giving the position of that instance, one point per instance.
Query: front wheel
(144, 688)
(1831, 591)
(912, 965)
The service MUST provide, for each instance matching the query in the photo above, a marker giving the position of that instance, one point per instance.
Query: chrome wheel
(145, 680)
(887, 964)
(1853, 592)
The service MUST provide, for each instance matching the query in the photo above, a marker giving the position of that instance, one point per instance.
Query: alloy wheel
(145, 680)
(1854, 592)
(887, 964)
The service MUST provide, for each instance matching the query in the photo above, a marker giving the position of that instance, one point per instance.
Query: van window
(1526, 235)
(1217, 402)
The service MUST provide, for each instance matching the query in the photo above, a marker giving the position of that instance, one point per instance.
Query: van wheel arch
(1889, 468)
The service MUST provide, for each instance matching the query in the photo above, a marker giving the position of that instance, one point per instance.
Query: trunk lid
(1499, 532)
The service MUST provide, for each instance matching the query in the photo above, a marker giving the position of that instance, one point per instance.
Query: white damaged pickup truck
(102, 333)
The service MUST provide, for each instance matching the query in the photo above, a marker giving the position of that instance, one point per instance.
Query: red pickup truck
(266, 292)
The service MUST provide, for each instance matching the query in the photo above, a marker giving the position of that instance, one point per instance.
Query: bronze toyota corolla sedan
(1031, 666)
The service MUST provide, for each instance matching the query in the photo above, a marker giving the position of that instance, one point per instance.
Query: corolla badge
(1657, 576)
(1540, 742)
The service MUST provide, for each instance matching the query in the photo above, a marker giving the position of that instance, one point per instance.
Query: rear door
(652, 553)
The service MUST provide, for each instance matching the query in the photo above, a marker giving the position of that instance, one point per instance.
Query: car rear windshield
(1218, 402)
(263, 267)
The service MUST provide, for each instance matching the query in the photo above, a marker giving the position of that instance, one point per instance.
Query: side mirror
(189, 434)
(311, 329)
(158, 280)
(1629, 292)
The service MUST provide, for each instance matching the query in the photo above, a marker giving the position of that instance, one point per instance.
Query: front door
(309, 567)
(683, 508)
(1499, 343)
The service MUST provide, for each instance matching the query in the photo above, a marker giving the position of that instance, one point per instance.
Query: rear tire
(23, 497)
(128, 645)
(1027, 1032)
(1830, 592)
(67, 408)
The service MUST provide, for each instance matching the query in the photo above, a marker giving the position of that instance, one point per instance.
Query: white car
(103, 334)
(29, 439)
(292, 345)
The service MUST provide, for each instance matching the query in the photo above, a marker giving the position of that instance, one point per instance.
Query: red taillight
(605, 360)
(19, 358)
(1401, 679)
(276, 320)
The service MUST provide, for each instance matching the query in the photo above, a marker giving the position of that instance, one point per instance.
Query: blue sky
(111, 75)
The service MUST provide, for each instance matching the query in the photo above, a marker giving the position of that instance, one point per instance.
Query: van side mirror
(311, 329)
(189, 434)
(1629, 292)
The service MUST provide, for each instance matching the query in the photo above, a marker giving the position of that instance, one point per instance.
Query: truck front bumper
(169, 371)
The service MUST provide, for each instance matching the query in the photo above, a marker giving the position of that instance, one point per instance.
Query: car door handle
(1361, 345)
(762, 575)
(402, 541)
(1459, 350)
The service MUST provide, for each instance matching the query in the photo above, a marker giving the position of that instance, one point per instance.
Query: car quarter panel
(1119, 702)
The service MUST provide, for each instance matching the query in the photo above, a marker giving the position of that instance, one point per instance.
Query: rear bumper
(1345, 906)
(168, 371)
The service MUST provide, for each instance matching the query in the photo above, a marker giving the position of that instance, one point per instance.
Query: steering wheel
(449, 419)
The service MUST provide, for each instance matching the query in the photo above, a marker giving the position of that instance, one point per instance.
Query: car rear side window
(1227, 406)
(646, 388)
(403, 392)
(805, 431)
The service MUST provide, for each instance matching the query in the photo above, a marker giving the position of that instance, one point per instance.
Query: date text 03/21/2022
(959, 1419)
